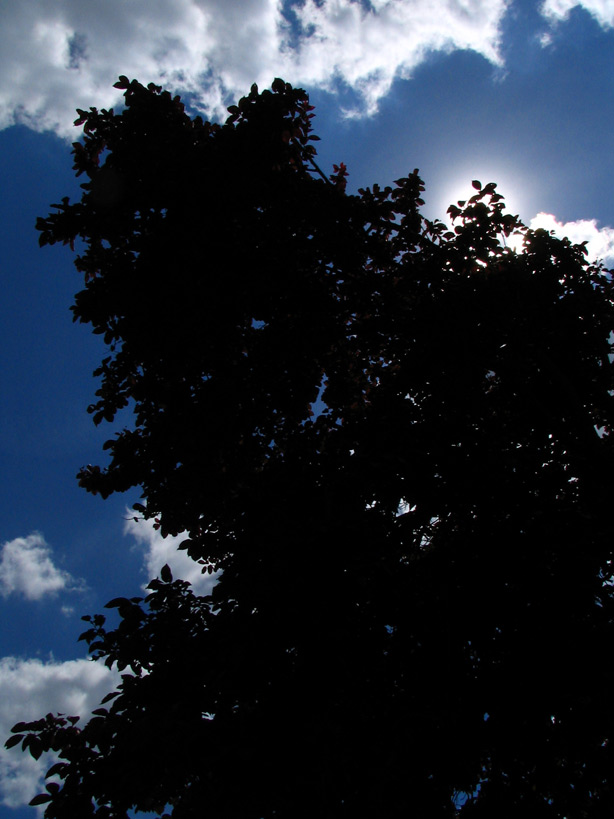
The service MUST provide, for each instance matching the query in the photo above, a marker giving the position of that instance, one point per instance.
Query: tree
(393, 440)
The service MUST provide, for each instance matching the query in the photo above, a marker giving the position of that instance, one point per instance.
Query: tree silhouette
(393, 441)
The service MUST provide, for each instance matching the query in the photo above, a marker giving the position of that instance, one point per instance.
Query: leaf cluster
(392, 436)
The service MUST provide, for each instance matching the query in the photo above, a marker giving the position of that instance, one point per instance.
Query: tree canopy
(391, 437)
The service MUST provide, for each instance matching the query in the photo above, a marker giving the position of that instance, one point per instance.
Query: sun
(462, 190)
(458, 187)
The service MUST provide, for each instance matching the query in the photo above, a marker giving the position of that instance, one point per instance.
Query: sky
(518, 92)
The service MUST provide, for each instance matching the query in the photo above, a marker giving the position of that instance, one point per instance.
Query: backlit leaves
(302, 363)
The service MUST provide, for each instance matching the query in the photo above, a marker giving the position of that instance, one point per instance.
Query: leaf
(166, 574)
(36, 747)
(477, 184)
(56, 769)
(14, 740)
(41, 799)
(117, 602)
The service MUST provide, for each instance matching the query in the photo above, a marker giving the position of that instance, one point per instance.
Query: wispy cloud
(56, 55)
(601, 10)
(30, 689)
(600, 240)
(158, 551)
(27, 569)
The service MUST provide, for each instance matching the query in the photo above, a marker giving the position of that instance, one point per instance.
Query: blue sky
(519, 92)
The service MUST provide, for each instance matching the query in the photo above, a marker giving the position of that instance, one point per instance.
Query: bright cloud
(29, 689)
(368, 49)
(602, 10)
(27, 569)
(600, 240)
(159, 551)
(56, 55)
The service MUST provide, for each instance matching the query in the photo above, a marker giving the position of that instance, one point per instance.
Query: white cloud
(159, 551)
(56, 55)
(29, 689)
(368, 49)
(600, 240)
(27, 568)
(601, 10)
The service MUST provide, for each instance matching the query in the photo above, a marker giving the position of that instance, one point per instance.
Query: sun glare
(516, 194)
(463, 190)
(514, 191)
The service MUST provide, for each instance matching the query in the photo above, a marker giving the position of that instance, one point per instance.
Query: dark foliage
(394, 440)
